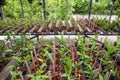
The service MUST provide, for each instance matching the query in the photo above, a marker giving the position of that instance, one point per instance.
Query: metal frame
(22, 10)
(90, 8)
(111, 11)
(64, 34)
(44, 8)
(66, 8)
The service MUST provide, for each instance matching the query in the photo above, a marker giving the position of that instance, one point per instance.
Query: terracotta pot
(32, 71)
(76, 30)
(27, 78)
(60, 30)
(57, 56)
(58, 46)
(57, 77)
(81, 77)
(18, 77)
(63, 27)
(118, 68)
(56, 28)
(58, 69)
(51, 30)
(57, 61)
(68, 29)
(89, 53)
(95, 63)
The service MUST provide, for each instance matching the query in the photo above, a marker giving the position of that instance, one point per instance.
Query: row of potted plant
(58, 59)
(113, 26)
(58, 25)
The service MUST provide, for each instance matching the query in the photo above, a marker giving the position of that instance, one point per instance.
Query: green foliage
(13, 8)
(81, 6)
(2, 48)
(101, 7)
(105, 24)
(57, 8)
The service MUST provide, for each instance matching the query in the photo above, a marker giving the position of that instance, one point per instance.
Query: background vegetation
(57, 8)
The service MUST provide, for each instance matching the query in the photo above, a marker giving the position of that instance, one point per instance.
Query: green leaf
(8, 50)
(106, 76)
(58, 40)
(48, 55)
(78, 64)
(43, 65)
(100, 77)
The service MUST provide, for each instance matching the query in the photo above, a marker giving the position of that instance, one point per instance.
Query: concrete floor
(92, 16)
(100, 38)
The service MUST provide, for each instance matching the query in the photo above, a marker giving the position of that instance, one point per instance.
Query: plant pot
(51, 30)
(57, 68)
(32, 71)
(27, 78)
(57, 56)
(57, 77)
(57, 61)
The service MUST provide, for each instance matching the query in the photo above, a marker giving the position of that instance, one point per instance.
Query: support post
(111, 11)
(90, 8)
(22, 10)
(66, 8)
(44, 11)
(1, 12)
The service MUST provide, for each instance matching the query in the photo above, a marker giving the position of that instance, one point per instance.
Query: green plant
(81, 6)
(13, 9)
(2, 49)
(14, 74)
(57, 8)
(104, 23)
(68, 64)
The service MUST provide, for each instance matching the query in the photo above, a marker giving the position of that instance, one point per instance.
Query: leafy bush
(81, 6)
(105, 24)
(12, 9)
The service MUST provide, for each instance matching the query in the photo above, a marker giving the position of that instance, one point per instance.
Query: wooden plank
(6, 71)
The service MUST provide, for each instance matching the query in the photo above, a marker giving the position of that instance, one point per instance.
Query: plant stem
(54, 58)
(28, 67)
(33, 61)
(21, 75)
(110, 74)
(35, 52)
(49, 74)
